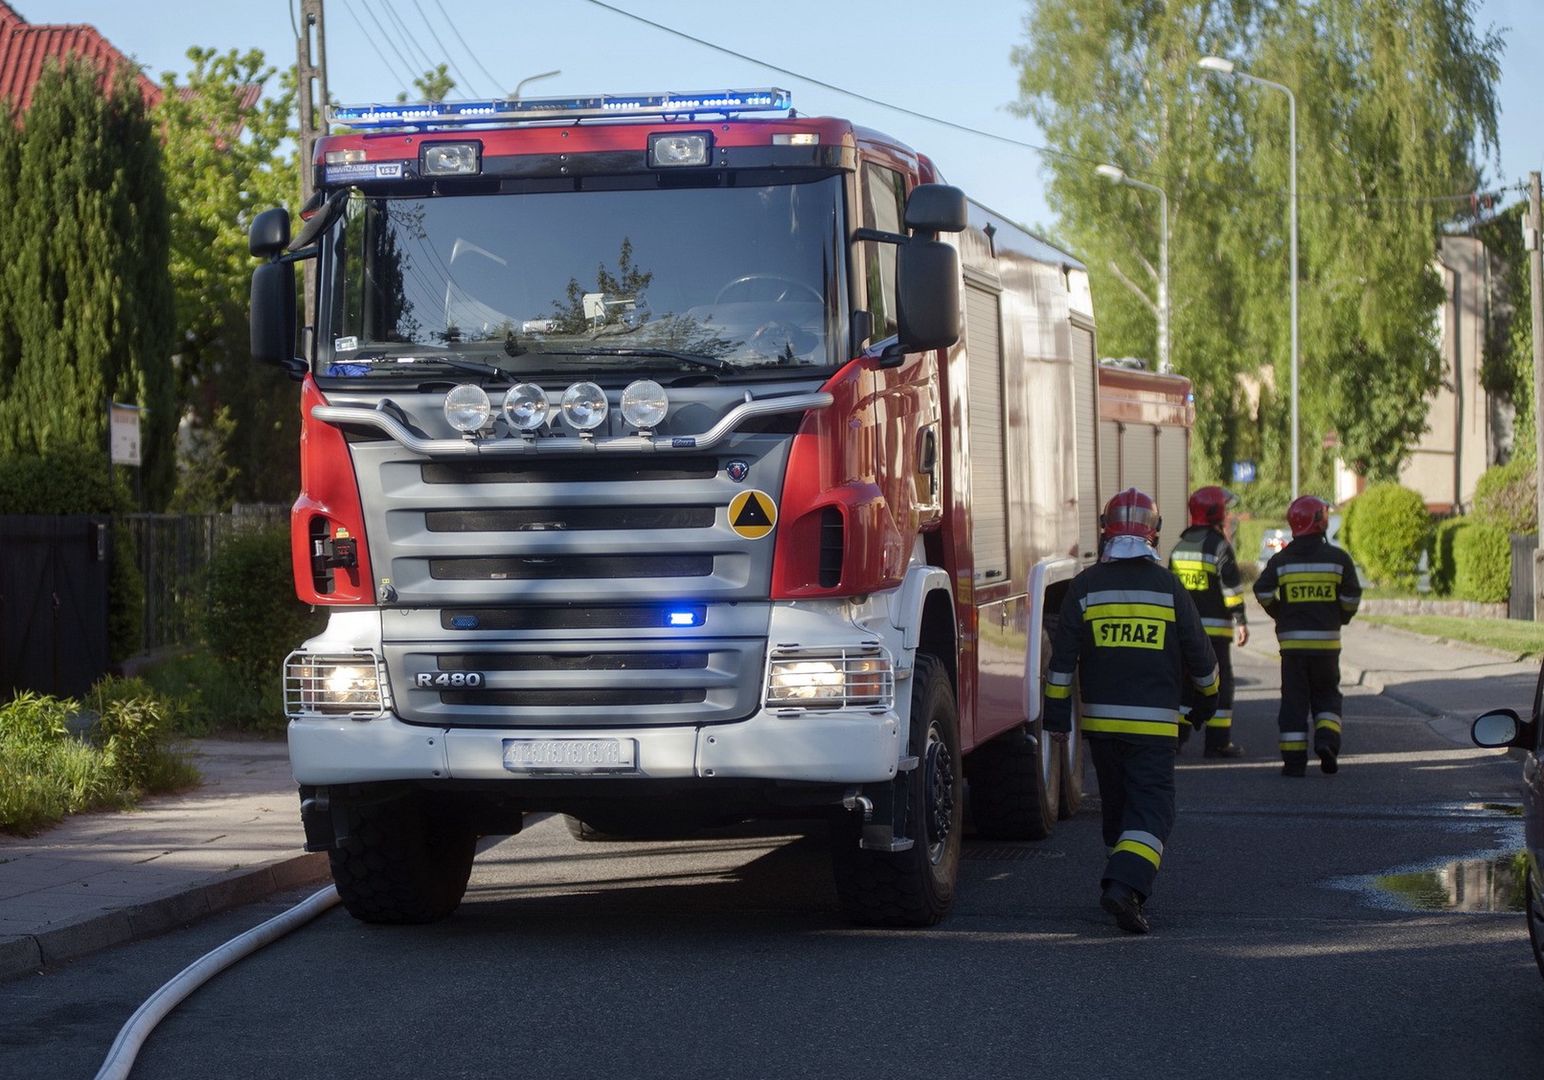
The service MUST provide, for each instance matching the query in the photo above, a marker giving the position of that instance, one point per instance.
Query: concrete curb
(29, 952)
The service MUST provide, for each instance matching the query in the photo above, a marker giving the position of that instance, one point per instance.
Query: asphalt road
(1273, 953)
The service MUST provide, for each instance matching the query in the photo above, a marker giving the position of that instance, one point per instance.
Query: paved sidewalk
(101, 879)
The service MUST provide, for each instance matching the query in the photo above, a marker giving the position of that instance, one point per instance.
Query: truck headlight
(342, 685)
(861, 677)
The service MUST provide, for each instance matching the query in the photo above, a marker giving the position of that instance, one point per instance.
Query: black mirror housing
(1500, 728)
(936, 208)
(927, 292)
(270, 233)
(273, 314)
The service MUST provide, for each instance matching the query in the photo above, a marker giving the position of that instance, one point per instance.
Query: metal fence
(1519, 604)
(173, 551)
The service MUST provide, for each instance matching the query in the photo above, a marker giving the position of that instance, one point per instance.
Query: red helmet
(1131, 513)
(1308, 515)
(1209, 505)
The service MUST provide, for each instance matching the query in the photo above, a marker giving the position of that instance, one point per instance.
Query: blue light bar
(498, 110)
(683, 618)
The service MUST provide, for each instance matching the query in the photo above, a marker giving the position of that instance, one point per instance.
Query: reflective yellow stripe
(1137, 849)
(1220, 721)
(1219, 631)
(1191, 564)
(1054, 691)
(1233, 601)
(1131, 727)
(1321, 644)
(1301, 745)
(1299, 578)
(1333, 725)
(1119, 611)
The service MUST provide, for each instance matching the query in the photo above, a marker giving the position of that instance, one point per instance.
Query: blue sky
(948, 60)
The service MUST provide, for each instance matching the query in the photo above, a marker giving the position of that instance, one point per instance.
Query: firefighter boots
(1125, 904)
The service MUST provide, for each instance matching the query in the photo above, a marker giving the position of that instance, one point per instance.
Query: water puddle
(1493, 881)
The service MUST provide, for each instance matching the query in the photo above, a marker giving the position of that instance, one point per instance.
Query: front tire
(914, 887)
(402, 864)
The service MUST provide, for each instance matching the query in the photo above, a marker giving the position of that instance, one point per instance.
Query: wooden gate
(53, 603)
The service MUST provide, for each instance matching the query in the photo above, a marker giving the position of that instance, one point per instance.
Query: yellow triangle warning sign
(752, 514)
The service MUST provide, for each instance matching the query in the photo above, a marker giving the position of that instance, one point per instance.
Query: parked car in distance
(1272, 541)
(1504, 728)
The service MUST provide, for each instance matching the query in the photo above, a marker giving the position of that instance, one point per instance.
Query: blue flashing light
(500, 110)
(683, 618)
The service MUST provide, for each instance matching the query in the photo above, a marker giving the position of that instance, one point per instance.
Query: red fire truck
(672, 460)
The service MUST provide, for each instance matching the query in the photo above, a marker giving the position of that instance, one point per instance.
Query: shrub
(1482, 558)
(254, 617)
(1505, 496)
(1443, 560)
(47, 771)
(1389, 528)
(1263, 498)
(125, 600)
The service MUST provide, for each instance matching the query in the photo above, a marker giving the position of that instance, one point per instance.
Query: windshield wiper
(712, 363)
(409, 363)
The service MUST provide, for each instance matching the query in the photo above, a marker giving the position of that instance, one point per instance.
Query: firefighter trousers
(1136, 793)
(1310, 703)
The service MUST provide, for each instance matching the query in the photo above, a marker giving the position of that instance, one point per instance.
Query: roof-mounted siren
(441, 114)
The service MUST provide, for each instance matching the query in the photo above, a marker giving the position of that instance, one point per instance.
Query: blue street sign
(1243, 472)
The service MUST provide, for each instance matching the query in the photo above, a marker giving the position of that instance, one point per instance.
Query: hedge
(1443, 559)
(1482, 558)
(1505, 496)
(1386, 530)
(254, 617)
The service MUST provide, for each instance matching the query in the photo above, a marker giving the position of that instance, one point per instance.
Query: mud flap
(885, 827)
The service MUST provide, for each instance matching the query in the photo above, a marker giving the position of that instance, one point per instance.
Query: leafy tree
(433, 85)
(1507, 369)
(627, 284)
(229, 157)
(1395, 99)
(87, 303)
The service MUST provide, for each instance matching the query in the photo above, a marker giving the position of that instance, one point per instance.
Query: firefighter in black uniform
(1310, 588)
(1203, 561)
(1132, 630)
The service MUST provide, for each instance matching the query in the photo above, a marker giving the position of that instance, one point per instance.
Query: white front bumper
(848, 747)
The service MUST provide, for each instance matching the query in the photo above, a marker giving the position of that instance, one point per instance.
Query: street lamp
(1225, 68)
(1117, 175)
(519, 86)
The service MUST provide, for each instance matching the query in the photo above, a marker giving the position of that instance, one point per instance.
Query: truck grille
(571, 566)
(556, 518)
(609, 471)
(569, 699)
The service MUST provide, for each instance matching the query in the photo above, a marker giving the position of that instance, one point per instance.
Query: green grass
(1507, 635)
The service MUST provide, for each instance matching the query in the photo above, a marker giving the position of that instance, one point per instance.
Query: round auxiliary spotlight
(526, 407)
(467, 408)
(584, 406)
(644, 404)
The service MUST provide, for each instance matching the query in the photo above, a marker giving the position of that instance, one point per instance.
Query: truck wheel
(1016, 779)
(401, 864)
(913, 887)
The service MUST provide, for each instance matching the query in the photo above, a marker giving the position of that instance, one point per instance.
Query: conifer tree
(87, 298)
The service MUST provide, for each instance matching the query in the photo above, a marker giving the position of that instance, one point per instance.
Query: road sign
(123, 422)
(1243, 472)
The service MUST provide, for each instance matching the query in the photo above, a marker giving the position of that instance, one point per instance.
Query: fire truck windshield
(726, 279)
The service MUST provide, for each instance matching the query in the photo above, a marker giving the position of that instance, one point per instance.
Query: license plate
(570, 755)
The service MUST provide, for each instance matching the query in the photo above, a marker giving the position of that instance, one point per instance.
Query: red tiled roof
(25, 49)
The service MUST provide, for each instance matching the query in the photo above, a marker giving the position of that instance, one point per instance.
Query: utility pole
(311, 72)
(1533, 227)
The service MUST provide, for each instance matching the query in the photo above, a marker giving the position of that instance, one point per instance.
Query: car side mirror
(270, 233)
(927, 293)
(936, 208)
(273, 316)
(1498, 729)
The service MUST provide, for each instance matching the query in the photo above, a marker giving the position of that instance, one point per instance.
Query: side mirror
(273, 314)
(270, 233)
(1497, 729)
(927, 292)
(935, 208)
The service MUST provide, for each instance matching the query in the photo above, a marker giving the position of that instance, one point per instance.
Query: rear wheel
(1016, 778)
(914, 887)
(402, 864)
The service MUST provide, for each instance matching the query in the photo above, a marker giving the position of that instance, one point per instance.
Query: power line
(454, 30)
(1064, 154)
(455, 66)
(373, 44)
(419, 53)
